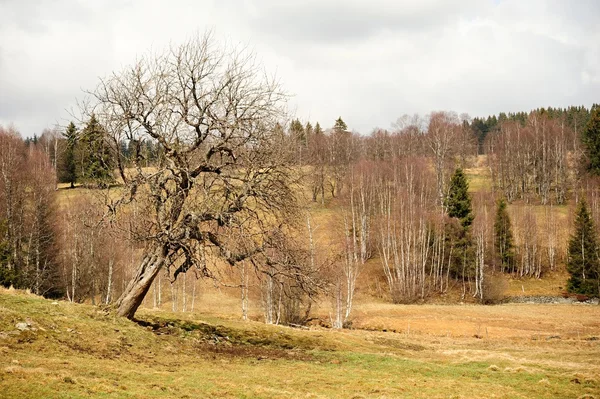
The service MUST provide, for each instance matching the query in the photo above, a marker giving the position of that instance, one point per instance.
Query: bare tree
(405, 236)
(213, 112)
(531, 159)
(27, 216)
(357, 215)
(442, 137)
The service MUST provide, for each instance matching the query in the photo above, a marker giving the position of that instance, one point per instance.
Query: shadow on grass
(261, 343)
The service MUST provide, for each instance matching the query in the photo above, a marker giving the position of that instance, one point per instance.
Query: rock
(23, 326)
(540, 299)
(54, 303)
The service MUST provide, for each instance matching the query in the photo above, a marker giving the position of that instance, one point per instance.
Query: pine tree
(68, 171)
(340, 125)
(458, 201)
(504, 237)
(591, 140)
(97, 160)
(582, 263)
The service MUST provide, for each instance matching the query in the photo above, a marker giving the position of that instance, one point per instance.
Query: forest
(164, 182)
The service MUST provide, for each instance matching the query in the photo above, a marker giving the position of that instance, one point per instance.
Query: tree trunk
(109, 285)
(135, 292)
(184, 292)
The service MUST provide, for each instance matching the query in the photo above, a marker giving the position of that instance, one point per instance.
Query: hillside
(61, 350)
(326, 219)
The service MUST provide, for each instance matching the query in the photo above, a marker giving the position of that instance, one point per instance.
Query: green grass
(79, 351)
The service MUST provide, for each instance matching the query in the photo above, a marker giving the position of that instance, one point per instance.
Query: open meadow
(62, 350)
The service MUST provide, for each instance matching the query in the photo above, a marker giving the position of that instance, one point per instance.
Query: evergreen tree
(68, 171)
(7, 274)
(591, 140)
(297, 131)
(582, 263)
(308, 129)
(318, 129)
(308, 133)
(459, 208)
(458, 201)
(97, 160)
(340, 125)
(504, 237)
(150, 152)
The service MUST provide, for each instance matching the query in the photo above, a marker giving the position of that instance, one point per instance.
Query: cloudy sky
(367, 61)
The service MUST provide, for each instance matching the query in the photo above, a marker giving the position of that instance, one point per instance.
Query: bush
(494, 287)
(403, 298)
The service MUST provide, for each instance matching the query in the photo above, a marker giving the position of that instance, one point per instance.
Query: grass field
(507, 351)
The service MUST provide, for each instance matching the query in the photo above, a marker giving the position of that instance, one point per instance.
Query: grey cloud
(330, 22)
(368, 61)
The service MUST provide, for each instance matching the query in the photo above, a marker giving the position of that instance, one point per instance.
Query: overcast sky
(366, 61)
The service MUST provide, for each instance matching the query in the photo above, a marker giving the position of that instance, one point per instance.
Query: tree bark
(135, 292)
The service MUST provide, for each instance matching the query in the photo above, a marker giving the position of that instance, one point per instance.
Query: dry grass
(496, 323)
(552, 284)
(479, 179)
(78, 351)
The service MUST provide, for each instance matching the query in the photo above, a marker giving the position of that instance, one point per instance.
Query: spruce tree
(318, 129)
(308, 129)
(458, 201)
(458, 207)
(591, 140)
(340, 125)
(68, 172)
(582, 262)
(504, 237)
(96, 154)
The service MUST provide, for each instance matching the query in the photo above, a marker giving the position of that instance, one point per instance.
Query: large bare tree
(224, 188)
